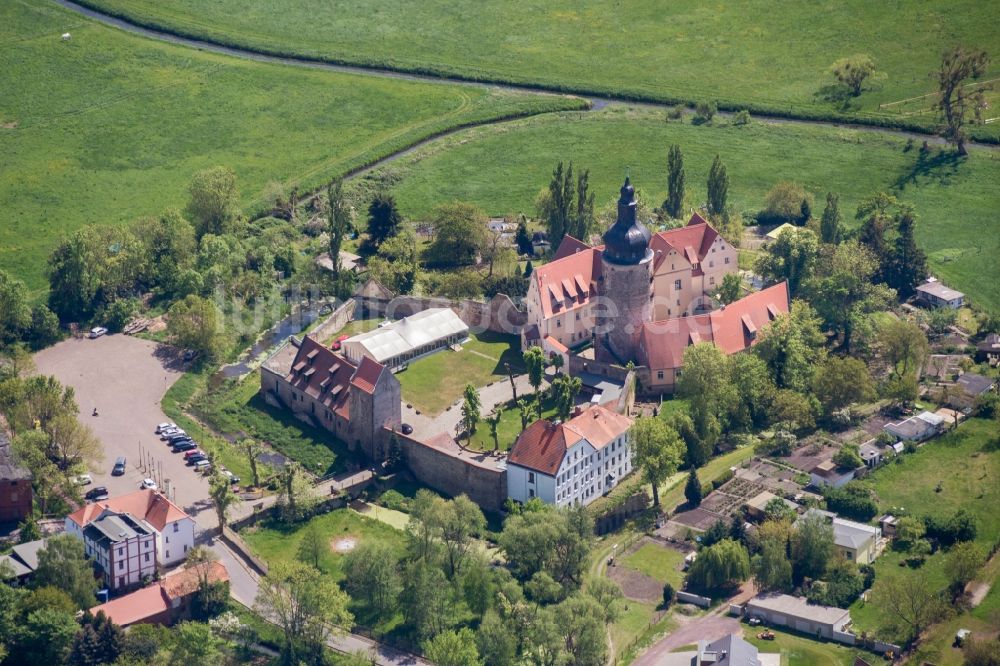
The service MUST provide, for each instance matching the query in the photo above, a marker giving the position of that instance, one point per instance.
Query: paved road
(125, 378)
(596, 102)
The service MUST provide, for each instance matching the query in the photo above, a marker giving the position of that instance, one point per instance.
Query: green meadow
(502, 168)
(754, 53)
(108, 126)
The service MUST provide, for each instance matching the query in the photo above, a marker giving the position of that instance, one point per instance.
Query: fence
(696, 599)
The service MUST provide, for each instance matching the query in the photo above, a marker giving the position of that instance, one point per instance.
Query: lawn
(108, 126)
(278, 543)
(797, 650)
(969, 478)
(432, 383)
(502, 168)
(746, 52)
(663, 564)
(235, 409)
(509, 427)
(354, 327)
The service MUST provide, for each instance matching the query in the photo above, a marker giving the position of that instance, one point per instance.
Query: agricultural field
(687, 50)
(502, 168)
(107, 126)
(658, 562)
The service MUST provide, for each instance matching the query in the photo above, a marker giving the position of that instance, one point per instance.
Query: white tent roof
(410, 333)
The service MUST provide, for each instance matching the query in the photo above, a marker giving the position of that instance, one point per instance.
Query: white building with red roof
(173, 530)
(573, 462)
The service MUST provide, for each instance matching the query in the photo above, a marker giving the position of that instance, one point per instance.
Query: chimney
(577, 410)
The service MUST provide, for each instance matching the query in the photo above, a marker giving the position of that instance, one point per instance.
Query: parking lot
(124, 378)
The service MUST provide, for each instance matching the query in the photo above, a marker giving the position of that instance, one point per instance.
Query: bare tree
(958, 98)
(909, 600)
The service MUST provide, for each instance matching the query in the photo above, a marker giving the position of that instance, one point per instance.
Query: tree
(692, 490)
(852, 72)
(384, 219)
(963, 563)
(908, 600)
(470, 410)
(305, 605)
(46, 637)
(674, 204)
(493, 421)
(556, 206)
(212, 596)
(909, 532)
(44, 329)
(338, 221)
(214, 202)
(72, 444)
(15, 312)
(582, 220)
(528, 410)
(792, 346)
(426, 599)
(608, 596)
(312, 547)
(772, 570)
(534, 361)
(720, 567)
(842, 584)
(755, 391)
(194, 644)
(785, 202)
(854, 500)
(223, 498)
(194, 324)
(479, 589)
(98, 642)
(459, 234)
(843, 290)
(957, 99)
(848, 457)
(62, 564)
(830, 230)
(902, 345)
(731, 288)
(556, 541)
(706, 385)
(73, 280)
(395, 266)
(453, 648)
(584, 633)
(907, 267)
(253, 450)
(718, 188)
(564, 391)
(716, 532)
(811, 547)
(461, 522)
(372, 577)
(522, 239)
(657, 450)
(876, 214)
(842, 381)
(496, 643)
(790, 258)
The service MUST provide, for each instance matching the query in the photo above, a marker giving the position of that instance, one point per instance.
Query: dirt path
(596, 101)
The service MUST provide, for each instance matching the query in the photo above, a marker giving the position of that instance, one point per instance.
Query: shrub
(741, 118)
(720, 480)
(854, 501)
(704, 112)
(393, 499)
(669, 594)
(675, 112)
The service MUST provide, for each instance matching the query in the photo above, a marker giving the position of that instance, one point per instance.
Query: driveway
(704, 628)
(125, 379)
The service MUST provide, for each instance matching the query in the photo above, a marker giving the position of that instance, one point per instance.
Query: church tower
(626, 283)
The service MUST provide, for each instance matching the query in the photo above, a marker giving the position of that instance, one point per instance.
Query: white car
(83, 480)
(164, 426)
(148, 484)
(202, 466)
(97, 332)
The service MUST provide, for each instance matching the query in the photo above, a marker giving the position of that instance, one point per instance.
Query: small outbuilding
(396, 344)
(916, 428)
(934, 294)
(784, 610)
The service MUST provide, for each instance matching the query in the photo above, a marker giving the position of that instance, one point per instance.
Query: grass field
(277, 543)
(508, 429)
(663, 564)
(745, 52)
(107, 126)
(969, 478)
(503, 168)
(800, 651)
(432, 383)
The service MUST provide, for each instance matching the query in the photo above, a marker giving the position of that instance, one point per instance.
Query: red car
(336, 343)
(193, 452)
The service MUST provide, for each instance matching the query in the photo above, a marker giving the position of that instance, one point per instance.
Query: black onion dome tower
(626, 282)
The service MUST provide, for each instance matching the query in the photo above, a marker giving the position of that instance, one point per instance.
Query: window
(121, 551)
(531, 477)
(558, 324)
(659, 374)
(531, 493)
(727, 260)
(677, 284)
(711, 263)
(711, 280)
(147, 557)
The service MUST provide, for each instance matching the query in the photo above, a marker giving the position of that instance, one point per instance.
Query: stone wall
(456, 472)
(335, 321)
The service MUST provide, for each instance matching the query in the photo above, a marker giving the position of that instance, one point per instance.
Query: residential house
(173, 530)
(23, 560)
(784, 610)
(988, 351)
(826, 473)
(916, 428)
(401, 342)
(756, 506)
(165, 601)
(974, 385)
(871, 454)
(15, 484)
(573, 462)
(773, 234)
(730, 650)
(349, 262)
(123, 547)
(854, 541)
(934, 294)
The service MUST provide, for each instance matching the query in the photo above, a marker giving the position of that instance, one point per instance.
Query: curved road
(596, 102)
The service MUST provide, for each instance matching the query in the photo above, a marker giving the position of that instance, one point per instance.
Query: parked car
(83, 480)
(97, 332)
(202, 466)
(339, 342)
(184, 446)
(173, 434)
(179, 437)
(406, 429)
(194, 460)
(119, 468)
(148, 484)
(229, 475)
(97, 493)
(166, 426)
(193, 452)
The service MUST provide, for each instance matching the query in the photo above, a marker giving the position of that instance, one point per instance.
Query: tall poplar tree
(829, 226)
(675, 182)
(908, 263)
(718, 188)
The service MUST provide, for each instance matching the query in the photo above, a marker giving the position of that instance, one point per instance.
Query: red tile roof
(692, 241)
(732, 329)
(367, 375)
(186, 581)
(331, 377)
(543, 444)
(149, 505)
(568, 246)
(135, 607)
(567, 283)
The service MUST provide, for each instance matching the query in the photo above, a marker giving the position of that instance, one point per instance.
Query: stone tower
(626, 283)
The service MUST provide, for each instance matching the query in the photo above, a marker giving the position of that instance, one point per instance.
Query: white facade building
(573, 462)
(123, 546)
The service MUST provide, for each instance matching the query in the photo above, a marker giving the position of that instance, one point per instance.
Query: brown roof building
(15, 484)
